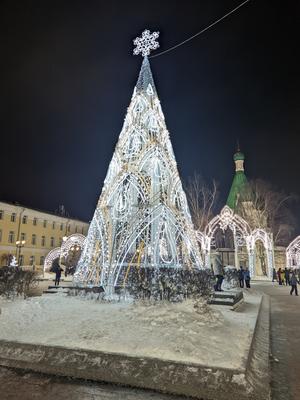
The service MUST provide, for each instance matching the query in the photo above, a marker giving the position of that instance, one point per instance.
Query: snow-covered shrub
(16, 282)
(170, 284)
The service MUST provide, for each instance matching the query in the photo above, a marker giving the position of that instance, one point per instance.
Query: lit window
(34, 221)
(24, 219)
(1, 214)
(53, 225)
(44, 223)
(33, 239)
(11, 237)
(13, 217)
(52, 241)
(32, 259)
(42, 259)
(23, 236)
(43, 241)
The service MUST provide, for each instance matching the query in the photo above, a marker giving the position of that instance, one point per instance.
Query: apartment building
(30, 234)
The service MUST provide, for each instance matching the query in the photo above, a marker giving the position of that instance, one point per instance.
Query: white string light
(244, 236)
(142, 213)
(293, 253)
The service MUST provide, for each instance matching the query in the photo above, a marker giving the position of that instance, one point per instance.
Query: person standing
(283, 277)
(219, 272)
(274, 275)
(279, 276)
(241, 277)
(287, 276)
(294, 282)
(57, 275)
(247, 278)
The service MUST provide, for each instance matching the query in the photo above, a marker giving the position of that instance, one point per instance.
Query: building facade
(30, 234)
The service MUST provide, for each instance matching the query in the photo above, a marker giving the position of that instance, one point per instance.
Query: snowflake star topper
(146, 43)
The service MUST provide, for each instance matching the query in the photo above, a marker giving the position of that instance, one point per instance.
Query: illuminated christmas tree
(142, 218)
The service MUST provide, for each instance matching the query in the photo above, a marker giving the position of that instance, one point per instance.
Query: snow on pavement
(169, 331)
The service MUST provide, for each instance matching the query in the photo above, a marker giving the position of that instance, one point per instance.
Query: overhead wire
(202, 31)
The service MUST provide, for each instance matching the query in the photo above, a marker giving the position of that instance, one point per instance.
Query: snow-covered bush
(170, 284)
(16, 282)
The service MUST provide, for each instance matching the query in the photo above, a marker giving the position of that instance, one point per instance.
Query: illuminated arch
(77, 239)
(170, 234)
(243, 236)
(50, 257)
(263, 236)
(293, 254)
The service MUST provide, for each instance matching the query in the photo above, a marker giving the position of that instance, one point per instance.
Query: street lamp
(20, 244)
(75, 248)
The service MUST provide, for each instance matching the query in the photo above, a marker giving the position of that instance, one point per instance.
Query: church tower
(239, 180)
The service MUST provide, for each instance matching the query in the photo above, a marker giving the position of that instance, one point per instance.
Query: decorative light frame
(243, 236)
(142, 217)
(76, 239)
(293, 254)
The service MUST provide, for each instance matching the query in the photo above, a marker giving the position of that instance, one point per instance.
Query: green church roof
(238, 183)
(238, 156)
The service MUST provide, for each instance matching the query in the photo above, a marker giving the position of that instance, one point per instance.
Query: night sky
(67, 76)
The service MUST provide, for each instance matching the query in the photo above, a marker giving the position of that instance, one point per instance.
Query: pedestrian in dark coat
(219, 273)
(279, 276)
(247, 278)
(274, 275)
(58, 272)
(294, 282)
(241, 277)
(287, 276)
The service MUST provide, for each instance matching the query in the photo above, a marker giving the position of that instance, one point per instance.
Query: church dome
(238, 156)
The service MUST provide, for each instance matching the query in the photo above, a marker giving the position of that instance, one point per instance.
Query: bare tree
(262, 206)
(202, 199)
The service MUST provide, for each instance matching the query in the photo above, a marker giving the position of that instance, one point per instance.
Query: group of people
(244, 277)
(218, 269)
(287, 277)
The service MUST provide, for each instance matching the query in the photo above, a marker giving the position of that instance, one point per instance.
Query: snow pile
(175, 331)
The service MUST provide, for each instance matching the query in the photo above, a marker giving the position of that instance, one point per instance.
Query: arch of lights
(243, 237)
(142, 218)
(50, 257)
(76, 239)
(293, 254)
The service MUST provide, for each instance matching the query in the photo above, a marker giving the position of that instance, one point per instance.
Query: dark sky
(67, 76)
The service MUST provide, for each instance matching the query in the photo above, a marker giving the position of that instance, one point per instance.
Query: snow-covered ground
(170, 331)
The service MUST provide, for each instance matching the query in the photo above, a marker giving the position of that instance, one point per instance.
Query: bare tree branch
(202, 199)
(262, 206)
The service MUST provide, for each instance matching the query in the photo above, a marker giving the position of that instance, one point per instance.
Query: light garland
(75, 240)
(142, 213)
(293, 254)
(243, 236)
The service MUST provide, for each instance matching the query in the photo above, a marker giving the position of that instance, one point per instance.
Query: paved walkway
(285, 364)
(21, 385)
(285, 341)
